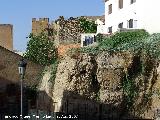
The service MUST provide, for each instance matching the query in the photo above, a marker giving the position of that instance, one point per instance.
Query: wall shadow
(10, 99)
(86, 109)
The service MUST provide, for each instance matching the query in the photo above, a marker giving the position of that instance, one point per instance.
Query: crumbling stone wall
(69, 31)
(64, 31)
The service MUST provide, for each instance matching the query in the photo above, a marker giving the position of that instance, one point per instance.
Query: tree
(41, 49)
(88, 26)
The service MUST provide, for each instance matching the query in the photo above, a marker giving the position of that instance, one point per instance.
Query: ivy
(130, 91)
(53, 71)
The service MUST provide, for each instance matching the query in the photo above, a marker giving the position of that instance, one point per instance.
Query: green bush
(121, 38)
(41, 49)
(88, 26)
(137, 41)
(99, 37)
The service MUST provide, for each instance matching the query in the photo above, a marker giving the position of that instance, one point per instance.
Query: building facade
(6, 36)
(132, 14)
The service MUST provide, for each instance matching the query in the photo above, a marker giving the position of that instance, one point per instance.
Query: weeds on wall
(129, 91)
(53, 71)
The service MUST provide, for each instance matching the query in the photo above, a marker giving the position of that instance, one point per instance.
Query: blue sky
(20, 14)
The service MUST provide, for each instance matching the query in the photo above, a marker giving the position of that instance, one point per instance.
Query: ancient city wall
(69, 31)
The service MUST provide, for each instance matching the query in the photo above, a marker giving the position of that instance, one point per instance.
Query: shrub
(99, 37)
(87, 26)
(41, 49)
(121, 38)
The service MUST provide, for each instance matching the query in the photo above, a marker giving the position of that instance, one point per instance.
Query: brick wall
(6, 36)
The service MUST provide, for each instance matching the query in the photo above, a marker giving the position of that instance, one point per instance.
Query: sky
(19, 13)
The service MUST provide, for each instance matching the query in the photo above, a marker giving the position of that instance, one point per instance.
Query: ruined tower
(6, 36)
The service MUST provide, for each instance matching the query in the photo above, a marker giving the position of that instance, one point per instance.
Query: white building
(101, 28)
(131, 14)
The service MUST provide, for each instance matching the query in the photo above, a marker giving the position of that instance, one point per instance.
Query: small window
(120, 4)
(135, 23)
(120, 25)
(133, 1)
(130, 23)
(110, 9)
(109, 29)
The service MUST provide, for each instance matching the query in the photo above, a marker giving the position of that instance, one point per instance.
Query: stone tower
(6, 36)
(39, 25)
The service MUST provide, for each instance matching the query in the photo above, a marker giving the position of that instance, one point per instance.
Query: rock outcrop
(107, 86)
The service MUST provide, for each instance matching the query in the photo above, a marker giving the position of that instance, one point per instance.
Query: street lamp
(22, 68)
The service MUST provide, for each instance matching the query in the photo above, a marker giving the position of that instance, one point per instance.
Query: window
(88, 40)
(135, 23)
(109, 29)
(120, 4)
(130, 23)
(133, 1)
(106, 0)
(120, 25)
(110, 9)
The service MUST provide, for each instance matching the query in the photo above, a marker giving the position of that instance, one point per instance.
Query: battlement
(5, 25)
(40, 20)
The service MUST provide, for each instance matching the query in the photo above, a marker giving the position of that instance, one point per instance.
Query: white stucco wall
(119, 15)
(102, 29)
(99, 22)
(148, 15)
(144, 11)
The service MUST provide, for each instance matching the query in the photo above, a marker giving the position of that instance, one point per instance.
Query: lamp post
(22, 68)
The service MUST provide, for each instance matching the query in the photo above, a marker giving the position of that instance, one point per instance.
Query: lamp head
(22, 67)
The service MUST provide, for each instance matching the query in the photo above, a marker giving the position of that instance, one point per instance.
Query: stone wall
(39, 25)
(6, 36)
(65, 31)
(69, 31)
(10, 83)
(9, 69)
